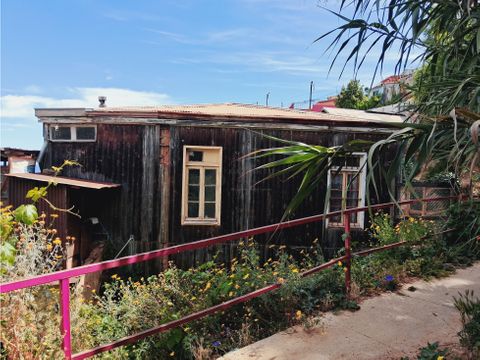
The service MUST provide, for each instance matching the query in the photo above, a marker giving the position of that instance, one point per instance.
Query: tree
(353, 97)
(445, 35)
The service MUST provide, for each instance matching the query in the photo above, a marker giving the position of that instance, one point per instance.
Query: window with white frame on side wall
(347, 183)
(201, 185)
(73, 133)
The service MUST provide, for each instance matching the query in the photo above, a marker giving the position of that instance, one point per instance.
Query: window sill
(201, 222)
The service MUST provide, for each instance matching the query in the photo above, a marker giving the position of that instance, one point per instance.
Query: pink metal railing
(63, 276)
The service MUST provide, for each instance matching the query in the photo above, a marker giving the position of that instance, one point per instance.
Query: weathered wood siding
(245, 202)
(124, 154)
(147, 161)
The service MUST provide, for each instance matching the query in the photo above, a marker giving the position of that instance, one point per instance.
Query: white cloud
(282, 62)
(22, 106)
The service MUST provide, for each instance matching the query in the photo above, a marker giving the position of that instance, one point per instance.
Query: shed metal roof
(231, 111)
(97, 185)
(362, 114)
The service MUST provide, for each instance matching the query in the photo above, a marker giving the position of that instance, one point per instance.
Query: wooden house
(166, 175)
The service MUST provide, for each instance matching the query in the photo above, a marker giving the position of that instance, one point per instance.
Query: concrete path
(388, 326)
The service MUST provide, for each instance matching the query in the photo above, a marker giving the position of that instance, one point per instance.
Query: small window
(85, 133)
(201, 185)
(73, 133)
(346, 180)
(61, 133)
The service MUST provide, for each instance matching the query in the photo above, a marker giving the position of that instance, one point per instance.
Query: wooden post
(165, 178)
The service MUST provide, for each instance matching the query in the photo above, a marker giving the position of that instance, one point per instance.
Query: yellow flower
(411, 219)
(57, 241)
(230, 293)
(339, 263)
(440, 357)
(280, 280)
(237, 286)
(49, 247)
(294, 270)
(208, 286)
(246, 276)
(169, 303)
(232, 276)
(298, 315)
(193, 298)
(345, 269)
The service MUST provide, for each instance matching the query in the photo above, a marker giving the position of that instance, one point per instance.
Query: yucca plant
(444, 132)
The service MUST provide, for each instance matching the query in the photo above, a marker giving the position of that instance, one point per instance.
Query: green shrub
(127, 306)
(463, 243)
(432, 352)
(469, 307)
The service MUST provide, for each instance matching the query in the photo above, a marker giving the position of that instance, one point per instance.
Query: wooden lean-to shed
(67, 197)
(182, 173)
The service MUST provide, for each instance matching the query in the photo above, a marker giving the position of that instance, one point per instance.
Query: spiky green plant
(445, 35)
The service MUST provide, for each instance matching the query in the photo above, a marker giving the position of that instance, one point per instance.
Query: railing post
(65, 320)
(348, 253)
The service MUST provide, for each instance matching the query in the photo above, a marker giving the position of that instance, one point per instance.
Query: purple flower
(216, 343)
(389, 278)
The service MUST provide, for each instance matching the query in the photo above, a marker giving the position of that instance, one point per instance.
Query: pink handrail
(63, 276)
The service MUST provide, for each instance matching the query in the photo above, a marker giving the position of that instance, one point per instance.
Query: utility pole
(266, 98)
(310, 98)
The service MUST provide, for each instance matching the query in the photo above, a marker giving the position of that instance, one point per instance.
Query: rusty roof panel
(226, 111)
(235, 110)
(65, 180)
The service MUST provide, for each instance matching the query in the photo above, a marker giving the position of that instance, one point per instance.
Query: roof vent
(102, 100)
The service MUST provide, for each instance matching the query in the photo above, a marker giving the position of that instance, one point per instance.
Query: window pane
(336, 182)
(210, 176)
(193, 176)
(338, 161)
(210, 210)
(193, 192)
(352, 161)
(193, 209)
(352, 182)
(194, 155)
(86, 133)
(61, 133)
(210, 193)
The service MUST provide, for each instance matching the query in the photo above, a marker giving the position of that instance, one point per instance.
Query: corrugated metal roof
(66, 181)
(245, 111)
(362, 114)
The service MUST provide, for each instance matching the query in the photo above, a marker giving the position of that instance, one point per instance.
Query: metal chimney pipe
(102, 100)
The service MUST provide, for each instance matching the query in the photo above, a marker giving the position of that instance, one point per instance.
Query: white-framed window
(201, 185)
(346, 181)
(73, 133)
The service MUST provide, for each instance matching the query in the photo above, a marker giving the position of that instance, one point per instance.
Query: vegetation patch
(126, 305)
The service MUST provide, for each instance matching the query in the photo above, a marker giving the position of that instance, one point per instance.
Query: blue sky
(64, 53)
